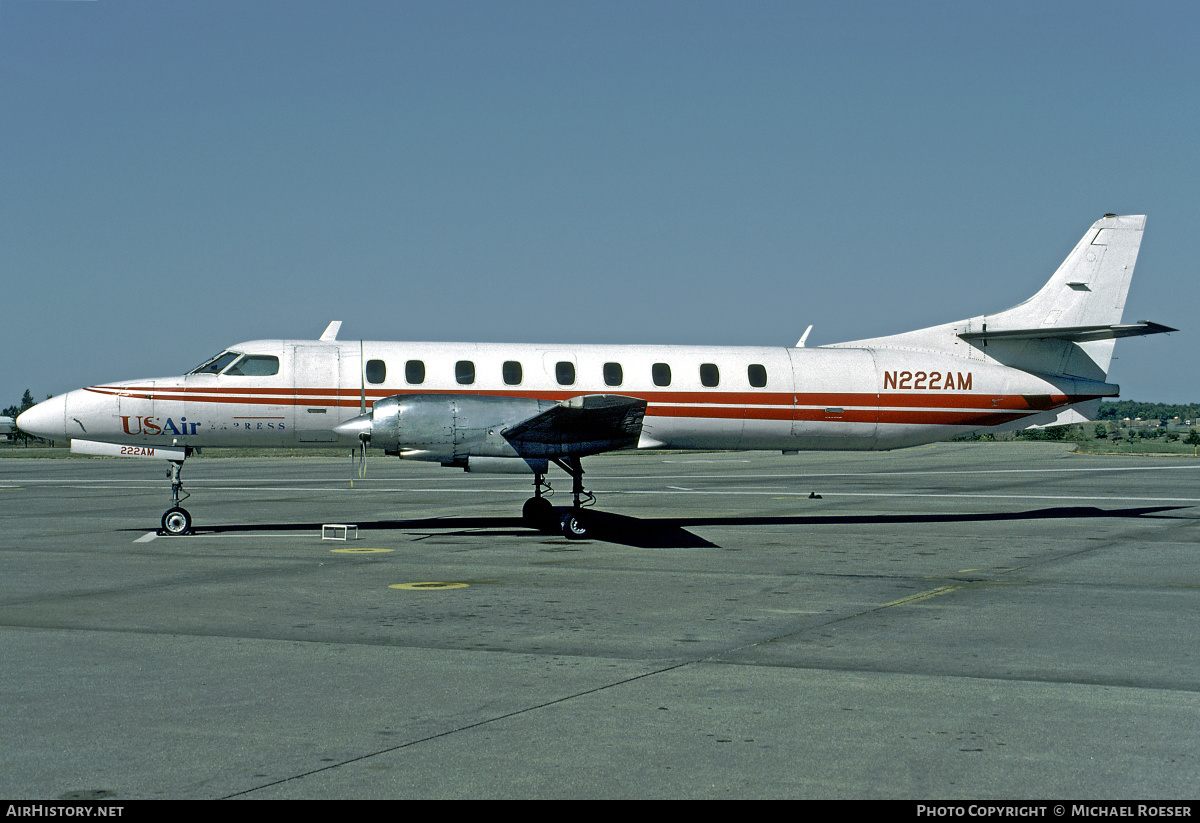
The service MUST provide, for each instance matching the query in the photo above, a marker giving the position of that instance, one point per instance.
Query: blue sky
(176, 177)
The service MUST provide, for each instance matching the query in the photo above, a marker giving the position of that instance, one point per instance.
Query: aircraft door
(315, 373)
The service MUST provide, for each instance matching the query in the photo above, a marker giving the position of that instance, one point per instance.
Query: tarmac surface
(959, 621)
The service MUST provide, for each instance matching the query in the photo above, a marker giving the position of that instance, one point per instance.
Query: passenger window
(512, 373)
(255, 365)
(661, 373)
(709, 376)
(376, 371)
(613, 374)
(564, 373)
(464, 372)
(414, 371)
(757, 374)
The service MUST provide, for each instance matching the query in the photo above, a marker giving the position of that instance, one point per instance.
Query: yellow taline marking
(922, 596)
(427, 586)
(361, 551)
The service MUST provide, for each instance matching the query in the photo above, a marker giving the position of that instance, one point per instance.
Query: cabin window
(376, 371)
(613, 374)
(214, 364)
(512, 373)
(464, 372)
(757, 374)
(255, 365)
(709, 375)
(414, 371)
(661, 373)
(564, 373)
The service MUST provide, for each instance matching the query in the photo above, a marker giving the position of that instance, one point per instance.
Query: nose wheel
(176, 520)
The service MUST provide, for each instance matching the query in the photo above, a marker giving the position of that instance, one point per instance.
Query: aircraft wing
(587, 424)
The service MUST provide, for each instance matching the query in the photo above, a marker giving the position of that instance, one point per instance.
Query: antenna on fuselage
(331, 331)
(803, 337)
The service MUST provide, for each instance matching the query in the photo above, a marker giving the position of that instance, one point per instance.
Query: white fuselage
(698, 397)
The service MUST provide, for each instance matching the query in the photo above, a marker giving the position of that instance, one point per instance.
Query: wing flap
(587, 424)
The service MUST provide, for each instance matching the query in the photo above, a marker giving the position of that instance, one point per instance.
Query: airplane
(494, 407)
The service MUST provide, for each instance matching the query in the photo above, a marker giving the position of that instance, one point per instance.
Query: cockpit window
(255, 365)
(214, 365)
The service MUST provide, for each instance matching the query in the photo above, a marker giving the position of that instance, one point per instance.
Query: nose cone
(47, 420)
(355, 427)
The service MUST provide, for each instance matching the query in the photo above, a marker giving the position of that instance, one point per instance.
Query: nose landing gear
(176, 520)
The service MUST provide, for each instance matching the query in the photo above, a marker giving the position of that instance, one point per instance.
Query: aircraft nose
(47, 420)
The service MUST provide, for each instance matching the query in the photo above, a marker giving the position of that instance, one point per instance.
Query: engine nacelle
(447, 428)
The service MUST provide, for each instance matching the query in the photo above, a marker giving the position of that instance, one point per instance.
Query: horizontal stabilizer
(1076, 334)
(581, 425)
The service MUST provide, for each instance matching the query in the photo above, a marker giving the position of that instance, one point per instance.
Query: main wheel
(176, 521)
(575, 526)
(537, 512)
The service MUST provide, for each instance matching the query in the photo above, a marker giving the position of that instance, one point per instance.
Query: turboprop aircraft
(505, 407)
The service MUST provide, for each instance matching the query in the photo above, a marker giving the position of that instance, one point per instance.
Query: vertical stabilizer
(1067, 328)
(1089, 287)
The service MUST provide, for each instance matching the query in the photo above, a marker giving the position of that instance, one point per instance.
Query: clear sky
(176, 177)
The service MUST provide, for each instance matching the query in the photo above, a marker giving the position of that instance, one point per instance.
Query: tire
(575, 526)
(537, 512)
(176, 521)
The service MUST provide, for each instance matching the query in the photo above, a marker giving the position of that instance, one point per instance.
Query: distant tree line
(1120, 409)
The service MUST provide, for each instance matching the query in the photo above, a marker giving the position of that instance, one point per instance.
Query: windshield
(255, 365)
(214, 364)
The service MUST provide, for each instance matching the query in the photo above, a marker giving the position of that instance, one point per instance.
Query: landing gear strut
(176, 520)
(537, 511)
(573, 523)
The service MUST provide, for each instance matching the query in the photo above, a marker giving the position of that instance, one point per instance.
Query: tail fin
(1089, 287)
(1068, 328)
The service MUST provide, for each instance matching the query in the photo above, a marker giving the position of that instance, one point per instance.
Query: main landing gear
(573, 523)
(176, 520)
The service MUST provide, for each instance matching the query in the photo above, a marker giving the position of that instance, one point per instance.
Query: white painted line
(886, 474)
(146, 538)
(732, 493)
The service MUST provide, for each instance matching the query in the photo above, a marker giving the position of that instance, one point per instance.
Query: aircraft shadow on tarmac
(672, 532)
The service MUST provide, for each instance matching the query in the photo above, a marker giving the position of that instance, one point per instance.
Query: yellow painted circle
(360, 551)
(427, 586)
